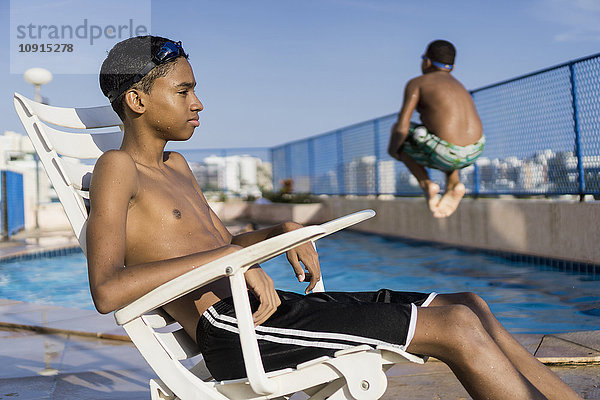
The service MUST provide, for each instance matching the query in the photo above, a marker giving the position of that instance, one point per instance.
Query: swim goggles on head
(167, 52)
(437, 64)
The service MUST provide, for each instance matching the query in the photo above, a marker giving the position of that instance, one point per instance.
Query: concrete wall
(549, 228)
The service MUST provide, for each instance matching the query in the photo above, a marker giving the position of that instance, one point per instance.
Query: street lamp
(38, 77)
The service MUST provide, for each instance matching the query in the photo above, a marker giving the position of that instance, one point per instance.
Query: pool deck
(50, 352)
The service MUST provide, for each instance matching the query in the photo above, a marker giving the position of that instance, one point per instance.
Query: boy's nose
(197, 105)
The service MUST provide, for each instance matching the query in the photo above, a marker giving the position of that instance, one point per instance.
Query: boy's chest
(169, 201)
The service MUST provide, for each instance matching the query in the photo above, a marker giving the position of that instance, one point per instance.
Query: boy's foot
(432, 197)
(450, 200)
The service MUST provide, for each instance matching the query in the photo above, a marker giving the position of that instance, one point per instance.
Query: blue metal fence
(12, 216)
(542, 133)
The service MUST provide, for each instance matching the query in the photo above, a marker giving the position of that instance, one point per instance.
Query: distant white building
(387, 176)
(366, 175)
(240, 175)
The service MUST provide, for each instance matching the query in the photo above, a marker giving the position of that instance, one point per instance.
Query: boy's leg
(455, 335)
(455, 191)
(536, 372)
(431, 189)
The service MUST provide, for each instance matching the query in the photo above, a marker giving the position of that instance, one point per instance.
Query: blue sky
(272, 71)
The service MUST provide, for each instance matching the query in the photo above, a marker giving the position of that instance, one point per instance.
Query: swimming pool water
(526, 298)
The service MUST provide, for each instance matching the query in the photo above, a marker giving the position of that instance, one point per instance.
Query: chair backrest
(68, 156)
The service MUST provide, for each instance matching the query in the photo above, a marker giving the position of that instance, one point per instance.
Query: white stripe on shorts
(304, 337)
(275, 339)
(413, 318)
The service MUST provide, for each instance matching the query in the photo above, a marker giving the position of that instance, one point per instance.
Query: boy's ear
(135, 101)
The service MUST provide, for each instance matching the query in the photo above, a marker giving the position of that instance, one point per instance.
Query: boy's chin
(183, 136)
(181, 139)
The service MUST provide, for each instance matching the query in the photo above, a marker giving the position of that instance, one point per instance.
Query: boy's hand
(397, 139)
(307, 255)
(262, 286)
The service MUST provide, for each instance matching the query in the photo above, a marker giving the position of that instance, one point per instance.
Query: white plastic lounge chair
(355, 373)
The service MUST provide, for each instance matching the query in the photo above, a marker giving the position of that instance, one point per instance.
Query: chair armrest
(207, 273)
(345, 221)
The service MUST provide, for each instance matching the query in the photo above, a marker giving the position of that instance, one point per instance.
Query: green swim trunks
(430, 151)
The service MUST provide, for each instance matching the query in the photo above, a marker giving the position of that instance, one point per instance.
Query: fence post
(376, 144)
(225, 168)
(271, 151)
(476, 180)
(340, 162)
(288, 163)
(580, 170)
(4, 207)
(311, 164)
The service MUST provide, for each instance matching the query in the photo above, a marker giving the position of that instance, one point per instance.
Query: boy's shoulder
(422, 79)
(115, 171)
(173, 156)
(115, 159)
(114, 164)
(175, 160)
(415, 83)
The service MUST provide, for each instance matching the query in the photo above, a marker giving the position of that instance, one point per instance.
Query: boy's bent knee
(446, 330)
(469, 299)
(474, 301)
(461, 319)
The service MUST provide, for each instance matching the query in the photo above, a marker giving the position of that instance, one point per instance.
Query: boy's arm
(305, 254)
(249, 238)
(399, 131)
(113, 286)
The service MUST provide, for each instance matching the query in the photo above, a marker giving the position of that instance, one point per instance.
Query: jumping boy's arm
(112, 285)
(400, 129)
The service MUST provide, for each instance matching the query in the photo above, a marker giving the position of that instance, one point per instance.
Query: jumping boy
(149, 215)
(451, 136)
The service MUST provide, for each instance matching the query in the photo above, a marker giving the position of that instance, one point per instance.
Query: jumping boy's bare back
(445, 107)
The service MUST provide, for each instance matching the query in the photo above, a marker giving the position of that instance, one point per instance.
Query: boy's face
(172, 106)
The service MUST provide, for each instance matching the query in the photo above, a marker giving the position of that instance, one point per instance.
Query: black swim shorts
(305, 327)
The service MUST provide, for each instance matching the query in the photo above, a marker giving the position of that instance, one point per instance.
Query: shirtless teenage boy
(451, 135)
(148, 213)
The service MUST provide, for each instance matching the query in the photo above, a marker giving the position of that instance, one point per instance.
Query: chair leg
(299, 396)
(158, 391)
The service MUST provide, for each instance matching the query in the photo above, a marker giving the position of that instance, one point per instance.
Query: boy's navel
(177, 213)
